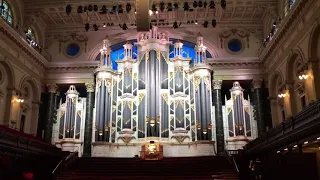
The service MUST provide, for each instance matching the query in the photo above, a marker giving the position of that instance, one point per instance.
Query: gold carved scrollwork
(165, 97)
(196, 83)
(141, 96)
(158, 55)
(135, 76)
(171, 76)
(126, 139)
(147, 55)
(61, 114)
(178, 68)
(79, 114)
(74, 100)
(207, 82)
(108, 83)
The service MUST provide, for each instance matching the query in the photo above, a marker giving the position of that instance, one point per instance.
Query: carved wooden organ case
(153, 97)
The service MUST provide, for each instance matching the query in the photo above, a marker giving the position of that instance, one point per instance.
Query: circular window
(72, 49)
(235, 45)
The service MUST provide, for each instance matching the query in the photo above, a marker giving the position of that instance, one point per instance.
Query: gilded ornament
(141, 96)
(79, 114)
(165, 97)
(196, 83)
(207, 82)
(171, 76)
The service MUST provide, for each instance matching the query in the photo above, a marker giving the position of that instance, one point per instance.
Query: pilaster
(217, 102)
(89, 119)
(258, 105)
(52, 90)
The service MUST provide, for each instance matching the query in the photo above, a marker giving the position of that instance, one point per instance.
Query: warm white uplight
(306, 142)
(150, 12)
(318, 138)
(278, 151)
(303, 76)
(282, 95)
(295, 146)
(286, 149)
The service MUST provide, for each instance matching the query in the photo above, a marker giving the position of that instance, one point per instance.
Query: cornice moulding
(287, 23)
(16, 39)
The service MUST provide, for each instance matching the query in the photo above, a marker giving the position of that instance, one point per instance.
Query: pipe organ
(152, 97)
(68, 131)
(240, 127)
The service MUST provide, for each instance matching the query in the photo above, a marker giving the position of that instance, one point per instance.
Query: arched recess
(29, 109)
(7, 81)
(294, 63)
(275, 82)
(314, 56)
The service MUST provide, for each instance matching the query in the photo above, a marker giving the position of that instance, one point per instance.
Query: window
(30, 34)
(6, 13)
(291, 2)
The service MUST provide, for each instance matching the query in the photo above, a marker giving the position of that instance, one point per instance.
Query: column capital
(90, 87)
(216, 84)
(52, 88)
(256, 83)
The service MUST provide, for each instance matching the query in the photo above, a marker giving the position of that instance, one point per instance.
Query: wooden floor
(202, 168)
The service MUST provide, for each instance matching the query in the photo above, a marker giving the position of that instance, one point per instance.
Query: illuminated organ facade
(154, 94)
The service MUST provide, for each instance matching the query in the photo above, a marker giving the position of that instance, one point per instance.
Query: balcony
(18, 35)
(302, 127)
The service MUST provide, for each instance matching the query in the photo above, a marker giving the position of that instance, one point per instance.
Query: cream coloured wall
(295, 49)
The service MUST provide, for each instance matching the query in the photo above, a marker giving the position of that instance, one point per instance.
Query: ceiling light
(286, 149)
(103, 10)
(95, 27)
(318, 138)
(214, 23)
(186, 6)
(87, 27)
(162, 6)
(153, 8)
(104, 25)
(169, 7)
(128, 7)
(223, 4)
(150, 12)
(212, 5)
(123, 26)
(205, 24)
(79, 10)
(68, 9)
(90, 8)
(95, 8)
(295, 146)
(306, 142)
(120, 10)
(196, 22)
(200, 3)
(195, 4)
(175, 25)
(278, 151)
(176, 6)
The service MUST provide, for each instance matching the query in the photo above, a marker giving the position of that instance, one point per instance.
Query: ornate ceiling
(238, 13)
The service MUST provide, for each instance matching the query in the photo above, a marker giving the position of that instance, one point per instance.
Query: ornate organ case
(152, 97)
(68, 131)
(239, 125)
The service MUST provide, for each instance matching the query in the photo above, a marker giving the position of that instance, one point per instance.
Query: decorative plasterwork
(72, 37)
(236, 65)
(73, 67)
(216, 84)
(226, 35)
(256, 83)
(90, 87)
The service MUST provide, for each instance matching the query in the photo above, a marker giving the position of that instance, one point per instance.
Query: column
(89, 119)
(312, 83)
(35, 118)
(258, 105)
(52, 90)
(275, 114)
(217, 102)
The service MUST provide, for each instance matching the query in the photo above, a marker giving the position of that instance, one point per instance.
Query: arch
(313, 41)
(274, 80)
(296, 56)
(10, 73)
(35, 89)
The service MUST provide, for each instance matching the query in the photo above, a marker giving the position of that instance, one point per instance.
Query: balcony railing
(25, 37)
(301, 127)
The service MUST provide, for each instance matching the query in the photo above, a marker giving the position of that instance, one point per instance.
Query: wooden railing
(16, 142)
(302, 126)
(64, 163)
